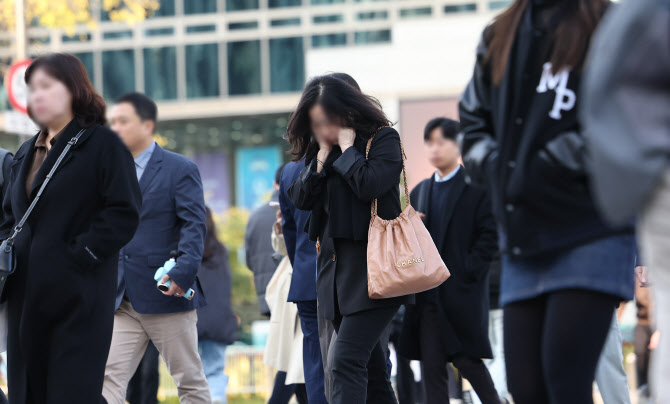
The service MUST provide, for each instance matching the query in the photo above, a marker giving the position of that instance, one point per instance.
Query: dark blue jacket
(172, 218)
(301, 251)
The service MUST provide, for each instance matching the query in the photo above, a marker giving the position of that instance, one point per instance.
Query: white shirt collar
(446, 177)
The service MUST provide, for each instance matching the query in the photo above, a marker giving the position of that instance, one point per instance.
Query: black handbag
(7, 253)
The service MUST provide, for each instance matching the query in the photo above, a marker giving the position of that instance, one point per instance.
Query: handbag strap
(22, 222)
(373, 208)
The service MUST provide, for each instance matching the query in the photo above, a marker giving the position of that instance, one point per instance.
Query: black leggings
(553, 343)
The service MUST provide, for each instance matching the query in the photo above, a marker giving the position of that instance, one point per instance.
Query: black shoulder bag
(7, 255)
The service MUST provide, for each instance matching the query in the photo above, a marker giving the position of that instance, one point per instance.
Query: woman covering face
(330, 129)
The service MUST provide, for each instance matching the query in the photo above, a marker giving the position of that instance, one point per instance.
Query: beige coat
(283, 350)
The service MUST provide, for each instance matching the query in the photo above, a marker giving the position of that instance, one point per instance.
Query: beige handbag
(402, 257)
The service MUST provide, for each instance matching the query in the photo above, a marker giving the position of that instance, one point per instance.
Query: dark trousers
(553, 344)
(282, 392)
(360, 372)
(143, 386)
(643, 333)
(434, 362)
(311, 352)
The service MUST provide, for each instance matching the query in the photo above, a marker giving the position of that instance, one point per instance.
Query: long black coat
(339, 199)
(61, 298)
(216, 321)
(470, 244)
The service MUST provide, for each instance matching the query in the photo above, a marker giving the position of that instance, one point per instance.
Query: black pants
(282, 392)
(643, 333)
(434, 362)
(143, 386)
(360, 372)
(553, 343)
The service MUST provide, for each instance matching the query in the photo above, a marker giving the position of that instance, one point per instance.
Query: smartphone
(274, 204)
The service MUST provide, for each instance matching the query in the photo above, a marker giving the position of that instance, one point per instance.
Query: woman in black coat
(330, 129)
(217, 325)
(61, 297)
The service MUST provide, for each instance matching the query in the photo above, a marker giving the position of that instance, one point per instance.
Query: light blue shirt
(142, 160)
(445, 178)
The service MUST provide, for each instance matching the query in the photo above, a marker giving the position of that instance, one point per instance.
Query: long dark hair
(88, 107)
(213, 246)
(570, 40)
(343, 101)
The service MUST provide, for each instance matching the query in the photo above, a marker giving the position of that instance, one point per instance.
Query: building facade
(227, 73)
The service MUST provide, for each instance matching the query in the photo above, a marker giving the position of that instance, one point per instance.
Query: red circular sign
(17, 90)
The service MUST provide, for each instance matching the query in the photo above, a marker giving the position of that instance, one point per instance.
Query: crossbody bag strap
(22, 222)
(373, 208)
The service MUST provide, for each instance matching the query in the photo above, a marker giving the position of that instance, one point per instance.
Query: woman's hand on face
(324, 145)
(324, 150)
(346, 138)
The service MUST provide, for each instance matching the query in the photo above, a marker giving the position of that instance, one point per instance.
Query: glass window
(158, 31)
(38, 41)
(244, 67)
(199, 6)
(498, 4)
(200, 28)
(284, 3)
(367, 37)
(166, 9)
(235, 5)
(160, 73)
(202, 73)
(326, 1)
(117, 35)
(415, 12)
(76, 38)
(87, 59)
(460, 8)
(118, 73)
(372, 15)
(324, 19)
(285, 23)
(243, 25)
(287, 65)
(323, 41)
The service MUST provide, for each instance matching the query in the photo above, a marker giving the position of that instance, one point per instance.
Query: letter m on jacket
(565, 98)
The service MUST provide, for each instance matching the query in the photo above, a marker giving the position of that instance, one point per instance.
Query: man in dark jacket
(172, 219)
(302, 253)
(260, 256)
(450, 323)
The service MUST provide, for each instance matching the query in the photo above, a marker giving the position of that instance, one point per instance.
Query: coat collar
(70, 131)
(153, 167)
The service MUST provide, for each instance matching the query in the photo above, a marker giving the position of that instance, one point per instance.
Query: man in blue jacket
(172, 219)
(302, 254)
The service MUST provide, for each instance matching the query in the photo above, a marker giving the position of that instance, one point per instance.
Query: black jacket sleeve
(305, 191)
(477, 140)
(118, 219)
(485, 246)
(369, 179)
